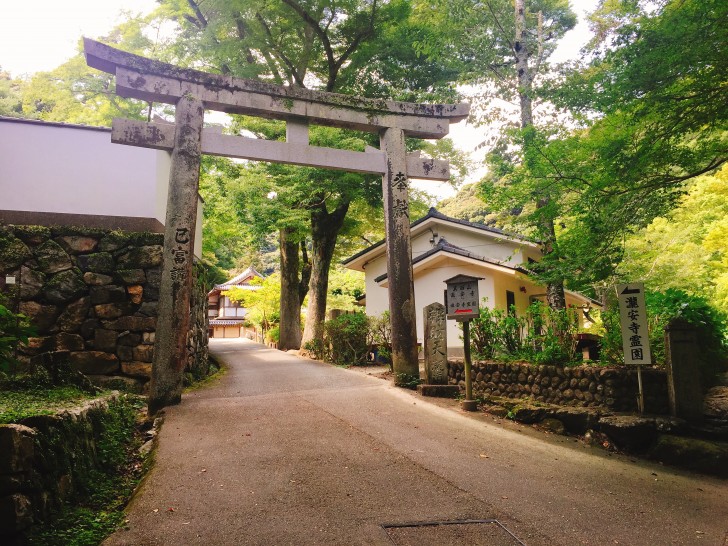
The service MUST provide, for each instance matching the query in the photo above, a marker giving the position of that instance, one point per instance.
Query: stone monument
(435, 351)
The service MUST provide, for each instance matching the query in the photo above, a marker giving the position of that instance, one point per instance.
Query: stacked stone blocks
(93, 293)
(582, 386)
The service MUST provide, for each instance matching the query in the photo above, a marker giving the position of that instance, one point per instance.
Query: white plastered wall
(72, 169)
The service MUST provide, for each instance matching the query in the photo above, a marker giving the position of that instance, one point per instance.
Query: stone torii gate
(192, 92)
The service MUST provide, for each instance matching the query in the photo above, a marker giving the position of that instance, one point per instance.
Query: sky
(39, 35)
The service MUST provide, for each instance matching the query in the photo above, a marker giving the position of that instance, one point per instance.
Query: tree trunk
(290, 325)
(305, 274)
(325, 229)
(555, 289)
(523, 71)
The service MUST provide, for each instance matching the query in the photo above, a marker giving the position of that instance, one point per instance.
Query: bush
(316, 348)
(542, 335)
(14, 328)
(379, 334)
(346, 337)
(663, 307)
(273, 335)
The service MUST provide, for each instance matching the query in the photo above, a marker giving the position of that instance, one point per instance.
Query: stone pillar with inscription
(395, 185)
(173, 315)
(435, 344)
(682, 355)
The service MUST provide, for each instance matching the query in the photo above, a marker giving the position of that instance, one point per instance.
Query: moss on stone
(84, 231)
(33, 234)
(146, 238)
(13, 251)
(700, 455)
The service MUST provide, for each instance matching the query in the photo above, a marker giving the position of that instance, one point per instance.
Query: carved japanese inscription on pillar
(435, 344)
(400, 202)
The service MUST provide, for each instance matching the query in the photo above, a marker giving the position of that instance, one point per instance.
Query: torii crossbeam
(193, 92)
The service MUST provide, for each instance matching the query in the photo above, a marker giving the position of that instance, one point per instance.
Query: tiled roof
(239, 281)
(434, 213)
(443, 246)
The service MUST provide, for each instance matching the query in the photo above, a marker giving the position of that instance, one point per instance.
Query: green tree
(77, 93)
(353, 46)
(686, 249)
(647, 106)
(650, 99)
(262, 304)
(11, 102)
(503, 47)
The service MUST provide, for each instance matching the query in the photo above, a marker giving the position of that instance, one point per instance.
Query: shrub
(274, 334)
(663, 307)
(317, 349)
(483, 333)
(14, 328)
(346, 338)
(552, 334)
(542, 335)
(379, 334)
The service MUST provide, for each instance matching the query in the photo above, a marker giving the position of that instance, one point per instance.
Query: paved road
(283, 450)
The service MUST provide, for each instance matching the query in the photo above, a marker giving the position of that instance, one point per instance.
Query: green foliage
(264, 304)
(229, 240)
(407, 381)
(273, 335)
(686, 249)
(347, 338)
(468, 205)
(14, 328)
(11, 101)
(542, 336)
(316, 348)
(345, 286)
(102, 491)
(662, 307)
(77, 93)
(711, 325)
(19, 401)
(380, 336)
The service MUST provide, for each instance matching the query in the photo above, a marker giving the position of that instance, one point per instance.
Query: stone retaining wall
(94, 293)
(583, 386)
(45, 460)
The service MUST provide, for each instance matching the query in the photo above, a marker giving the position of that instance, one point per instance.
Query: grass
(104, 490)
(18, 404)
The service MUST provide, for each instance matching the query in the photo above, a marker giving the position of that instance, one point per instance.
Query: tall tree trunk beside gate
(325, 227)
(525, 73)
(290, 321)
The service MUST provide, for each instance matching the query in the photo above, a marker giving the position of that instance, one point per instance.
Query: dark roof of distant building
(239, 281)
(433, 213)
(443, 246)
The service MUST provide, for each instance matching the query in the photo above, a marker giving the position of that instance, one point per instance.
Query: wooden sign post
(461, 302)
(193, 92)
(635, 340)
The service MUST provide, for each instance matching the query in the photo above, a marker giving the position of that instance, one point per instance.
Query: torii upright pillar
(395, 187)
(173, 312)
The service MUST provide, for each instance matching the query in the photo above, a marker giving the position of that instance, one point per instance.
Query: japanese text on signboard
(633, 319)
(462, 297)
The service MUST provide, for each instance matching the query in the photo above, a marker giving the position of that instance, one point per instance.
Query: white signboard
(633, 319)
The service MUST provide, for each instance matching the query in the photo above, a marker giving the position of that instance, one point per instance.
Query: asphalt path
(284, 450)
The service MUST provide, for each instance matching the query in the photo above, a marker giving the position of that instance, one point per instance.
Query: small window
(511, 303)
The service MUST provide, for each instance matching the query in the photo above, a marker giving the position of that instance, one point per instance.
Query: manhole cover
(486, 532)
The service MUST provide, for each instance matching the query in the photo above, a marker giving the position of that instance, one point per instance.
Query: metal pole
(468, 404)
(641, 396)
